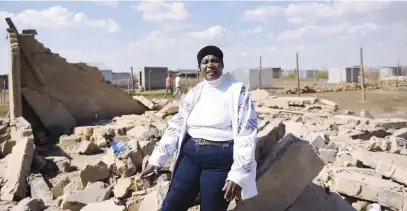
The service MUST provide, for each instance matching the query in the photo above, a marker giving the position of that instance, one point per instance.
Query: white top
(178, 81)
(210, 118)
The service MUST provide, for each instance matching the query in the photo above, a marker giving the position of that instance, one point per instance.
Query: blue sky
(168, 33)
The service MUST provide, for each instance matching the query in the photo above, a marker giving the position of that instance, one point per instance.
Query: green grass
(4, 109)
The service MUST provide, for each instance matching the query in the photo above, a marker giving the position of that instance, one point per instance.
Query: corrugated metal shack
(390, 71)
(153, 78)
(343, 75)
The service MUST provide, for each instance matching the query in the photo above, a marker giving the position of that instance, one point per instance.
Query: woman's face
(211, 67)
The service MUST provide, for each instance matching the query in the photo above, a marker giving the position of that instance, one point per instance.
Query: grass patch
(4, 109)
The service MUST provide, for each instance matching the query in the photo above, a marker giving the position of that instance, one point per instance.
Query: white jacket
(244, 124)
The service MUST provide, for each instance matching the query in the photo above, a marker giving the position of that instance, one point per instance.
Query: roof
(186, 70)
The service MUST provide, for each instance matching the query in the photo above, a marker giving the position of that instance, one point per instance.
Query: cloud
(316, 32)
(210, 34)
(251, 31)
(57, 17)
(313, 12)
(161, 11)
(109, 3)
(156, 40)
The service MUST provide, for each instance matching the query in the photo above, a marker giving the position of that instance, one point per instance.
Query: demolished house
(310, 156)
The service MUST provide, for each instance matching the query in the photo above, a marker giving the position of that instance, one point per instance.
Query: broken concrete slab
(18, 169)
(348, 119)
(289, 167)
(94, 172)
(95, 192)
(370, 188)
(144, 101)
(29, 204)
(150, 202)
(108, 205)
(39, 189)
(88, 148)
(390, 123)
(401, 133)
(122, 188)
(268, 137)
(315, 197)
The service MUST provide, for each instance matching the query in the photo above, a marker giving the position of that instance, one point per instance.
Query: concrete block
(18, 169)
(108, 205)
(281, 177)
(268, 137)
(39, 189)
(31, 204)
(348, 119)
(95, 192)
(94, 172)
(144, 101)
(369, 188)
(390, 123)
(401, 133)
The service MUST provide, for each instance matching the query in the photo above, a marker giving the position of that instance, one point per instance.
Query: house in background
(106, 72)
(186, 73)
(343, 75)
(153, 78)
(390, 71)
(122, 80)
(250, 77)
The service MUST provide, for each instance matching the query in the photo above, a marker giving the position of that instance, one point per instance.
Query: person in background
(213, 137)
(168, 85)
(178, 85)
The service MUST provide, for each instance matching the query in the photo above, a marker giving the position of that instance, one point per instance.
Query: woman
(214, 136)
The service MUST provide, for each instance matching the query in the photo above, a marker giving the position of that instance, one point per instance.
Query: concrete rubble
(310, 156)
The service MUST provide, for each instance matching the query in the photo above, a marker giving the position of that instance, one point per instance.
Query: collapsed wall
(63, 94)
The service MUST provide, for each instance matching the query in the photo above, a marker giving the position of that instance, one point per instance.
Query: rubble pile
(340, 88)
(308, 156)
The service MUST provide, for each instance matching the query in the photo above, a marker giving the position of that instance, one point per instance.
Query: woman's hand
(232, 190)
(150, 169)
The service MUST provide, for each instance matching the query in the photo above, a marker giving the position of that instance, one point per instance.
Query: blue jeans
(201, 169)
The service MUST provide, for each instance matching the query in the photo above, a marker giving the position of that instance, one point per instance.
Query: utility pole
(132, 80)
(298, 76)
(260, 73)
(397, 73)
(362, 83)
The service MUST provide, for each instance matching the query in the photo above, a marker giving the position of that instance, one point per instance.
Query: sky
(122, 34)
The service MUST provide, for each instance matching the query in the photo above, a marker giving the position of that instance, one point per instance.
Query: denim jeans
(201, 169)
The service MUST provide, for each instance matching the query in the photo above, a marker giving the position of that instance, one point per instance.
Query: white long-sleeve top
(244, 127)
(210, 118)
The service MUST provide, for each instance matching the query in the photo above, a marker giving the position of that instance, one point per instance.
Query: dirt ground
(380, 103)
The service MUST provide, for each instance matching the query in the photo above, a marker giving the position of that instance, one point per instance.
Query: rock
(94, 172)
(6, 147)
(108, 205)
(29, 204)
(95, 192)
(401, 133)
(259, 95)
(125, 167)
(88, 148)
(121, 189)
(58, 188)
(84, 130)
(390, 123)
(317, 140)
(366, 114)
(39, 189)
(150, 202)
(137, 132)
(281, 177)
(327, 155)
(62, 164)
(369, 188)
(18, 169)
(348, 119)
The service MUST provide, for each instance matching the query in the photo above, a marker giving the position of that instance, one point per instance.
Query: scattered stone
(94, 172)
(39, 189)
(29, 204)
(88, 148)
(108, 205)
(122, 188)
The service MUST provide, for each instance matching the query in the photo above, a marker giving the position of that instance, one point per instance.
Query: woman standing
(214, 138)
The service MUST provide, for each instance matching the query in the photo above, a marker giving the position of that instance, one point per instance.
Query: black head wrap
(210, 50)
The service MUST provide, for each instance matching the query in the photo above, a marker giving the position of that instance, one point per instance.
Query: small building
(153, 78)
(4, 82)
(106, 72)
(307, 74)
(250, 77)
(122, 80)
(187, 73)
(390, 71)
(343, 75)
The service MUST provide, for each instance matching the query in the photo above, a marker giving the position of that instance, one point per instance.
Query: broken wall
(63, 94)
